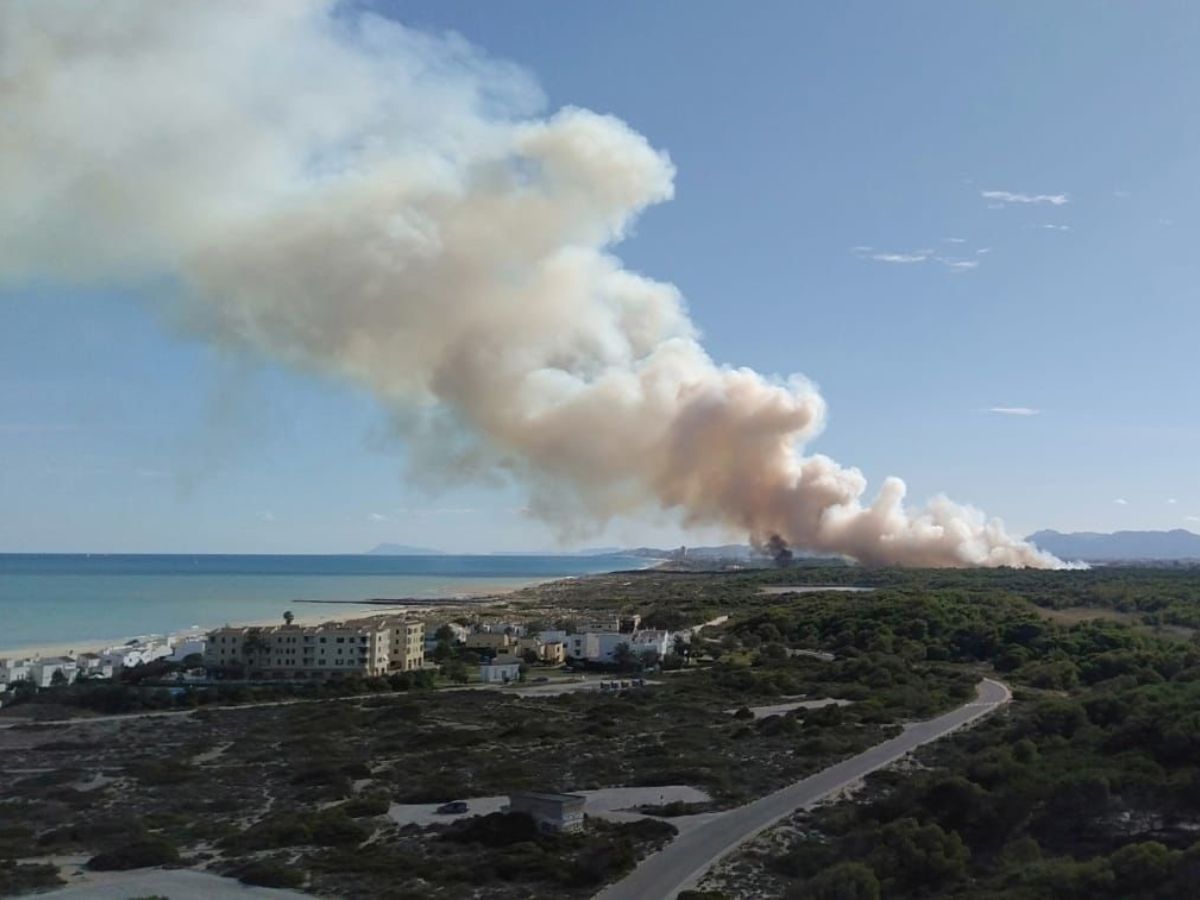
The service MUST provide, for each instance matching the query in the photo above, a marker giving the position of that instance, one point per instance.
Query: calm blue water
(58, 598)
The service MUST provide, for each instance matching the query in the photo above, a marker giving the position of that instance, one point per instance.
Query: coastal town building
(651, 640)
(456, 635)
(514, 629)
(551, 653)
(39, 671)
(136, 652)
(14, 670)
(50, 670)
(501, 670)
(364, 647)
(551, 812)
(183, 646)
(489, 643)
(601, 646)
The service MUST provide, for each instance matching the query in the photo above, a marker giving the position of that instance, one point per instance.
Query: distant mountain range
(1093, 546)
(402, 550)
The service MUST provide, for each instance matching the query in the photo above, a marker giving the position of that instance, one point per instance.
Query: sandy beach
(326, 613)
(304, 613)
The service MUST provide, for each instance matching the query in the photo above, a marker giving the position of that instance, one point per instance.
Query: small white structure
(14, 670)
(43, 671)
(136, 652)
(601, 647)
(183, 646)
(550, 812)
(458, 634)
(501, 670)
(659, 642)
(516, 629)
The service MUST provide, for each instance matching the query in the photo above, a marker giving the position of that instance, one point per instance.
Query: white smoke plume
(340, 193)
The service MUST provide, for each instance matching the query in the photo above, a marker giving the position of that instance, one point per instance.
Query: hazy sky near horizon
(972, 225)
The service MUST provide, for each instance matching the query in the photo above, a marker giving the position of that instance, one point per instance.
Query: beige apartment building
(488, 642)
(364, 647)
(551, 652)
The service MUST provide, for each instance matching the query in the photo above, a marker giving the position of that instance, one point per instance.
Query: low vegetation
(1087, 785)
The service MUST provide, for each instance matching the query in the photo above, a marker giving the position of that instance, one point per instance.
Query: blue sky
(800, 133)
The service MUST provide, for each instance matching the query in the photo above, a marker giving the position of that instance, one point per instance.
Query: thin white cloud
(955, 240)
(1121, 501)
(900, 257)
(1165, 221)
(266, 516)
(1014, 410)
(1191, 518)
(1005, 197)
(376, 517)
(959, 265)
(861, 249)
(982, 250)
(1171, 501)
(1120, 195)
(1050, 227)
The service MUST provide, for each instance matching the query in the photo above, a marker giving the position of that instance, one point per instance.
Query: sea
(54, 599)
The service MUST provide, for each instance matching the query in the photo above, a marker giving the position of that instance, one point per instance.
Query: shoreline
(366, 609)
(316, 617)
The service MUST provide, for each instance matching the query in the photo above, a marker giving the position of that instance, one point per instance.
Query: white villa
(501, 670)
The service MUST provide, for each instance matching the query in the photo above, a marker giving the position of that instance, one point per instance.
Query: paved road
(685, 860)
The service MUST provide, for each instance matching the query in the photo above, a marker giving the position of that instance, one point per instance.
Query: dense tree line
(1089, 786)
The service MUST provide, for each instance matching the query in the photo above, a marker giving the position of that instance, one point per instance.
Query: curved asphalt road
(681, 863)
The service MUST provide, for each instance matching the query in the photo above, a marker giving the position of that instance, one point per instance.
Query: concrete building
(488, 643)
(458, 634)
(551, 812)
(601, 646)
(554, 653)
(501, 670)
(369, 647)
(14, 670)
(515, 629)
(92, 665)
(136, 652)
(551, 653)
(42, 672)
(660, 642)
(184, 646)
(408, 644)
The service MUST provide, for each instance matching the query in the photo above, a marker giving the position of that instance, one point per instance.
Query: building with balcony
(368, 647)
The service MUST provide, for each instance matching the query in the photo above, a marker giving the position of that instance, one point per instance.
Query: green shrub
(141, 854)
(366, 805)
(494, 830)
(270, 834)
(268, 873)
(333, 828)
(20, 878)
